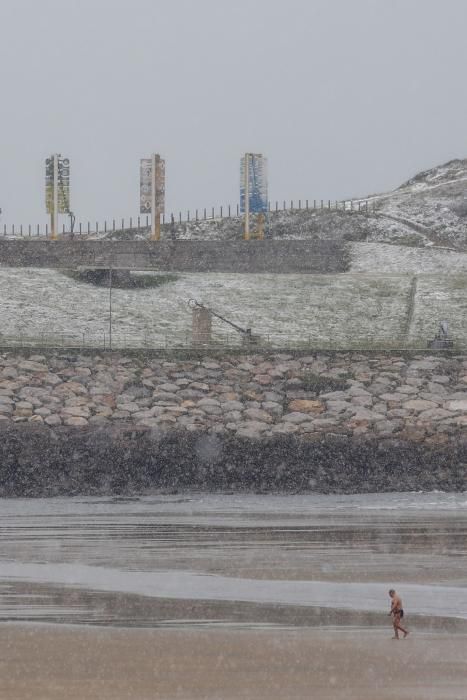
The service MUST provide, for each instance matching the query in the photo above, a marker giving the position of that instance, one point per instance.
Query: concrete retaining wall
(271, 256)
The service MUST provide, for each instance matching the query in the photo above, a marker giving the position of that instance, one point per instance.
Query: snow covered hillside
(342, 310)
(408, 270)
(430, 209)
(433, 204)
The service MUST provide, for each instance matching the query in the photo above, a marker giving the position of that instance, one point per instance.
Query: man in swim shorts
(397, 613)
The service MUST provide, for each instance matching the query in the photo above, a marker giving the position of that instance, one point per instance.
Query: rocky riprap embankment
(107, 424)
(416, 399)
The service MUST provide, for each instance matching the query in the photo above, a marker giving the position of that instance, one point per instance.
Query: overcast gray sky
(345, 97)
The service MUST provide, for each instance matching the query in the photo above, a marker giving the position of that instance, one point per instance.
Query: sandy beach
(51, 663)
(221, 598)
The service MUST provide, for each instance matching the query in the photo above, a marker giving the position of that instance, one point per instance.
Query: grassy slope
(327, 310)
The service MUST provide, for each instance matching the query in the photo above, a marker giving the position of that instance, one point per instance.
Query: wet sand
(79, 663)
(20, 603)
(221, 598)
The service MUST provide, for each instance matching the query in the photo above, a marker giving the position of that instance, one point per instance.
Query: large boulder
(306, 406)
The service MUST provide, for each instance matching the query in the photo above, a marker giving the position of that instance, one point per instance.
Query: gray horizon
(344, 98)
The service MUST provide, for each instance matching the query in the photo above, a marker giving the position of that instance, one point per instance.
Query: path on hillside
(415, 226)
(418, 228)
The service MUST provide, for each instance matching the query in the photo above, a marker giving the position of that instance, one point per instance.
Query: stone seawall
(331, 423)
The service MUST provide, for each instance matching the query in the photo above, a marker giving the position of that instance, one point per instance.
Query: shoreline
(187, 588)
(77, 608)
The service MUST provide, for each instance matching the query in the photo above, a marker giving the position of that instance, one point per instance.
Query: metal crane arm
(245, 331)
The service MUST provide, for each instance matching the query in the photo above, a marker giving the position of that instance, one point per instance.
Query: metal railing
(121, 341)
(142, 223)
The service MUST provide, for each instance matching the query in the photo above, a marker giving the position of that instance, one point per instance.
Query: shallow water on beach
(243, 560)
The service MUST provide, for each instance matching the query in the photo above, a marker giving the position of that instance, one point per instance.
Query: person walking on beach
(397, 613)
